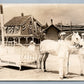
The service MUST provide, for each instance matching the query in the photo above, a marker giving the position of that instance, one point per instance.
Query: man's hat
(62, 33)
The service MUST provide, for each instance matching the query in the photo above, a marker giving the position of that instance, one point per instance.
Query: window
(10, 30)
(23, 28)
(16, 29)
(30, 30)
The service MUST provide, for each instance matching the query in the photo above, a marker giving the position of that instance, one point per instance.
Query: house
(68, 29)
(22, 29)
(52, 32)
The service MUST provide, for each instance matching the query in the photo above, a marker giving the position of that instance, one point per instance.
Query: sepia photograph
(41, 42)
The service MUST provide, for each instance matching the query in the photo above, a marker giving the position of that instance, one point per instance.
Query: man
(62, 35)
(32, 51)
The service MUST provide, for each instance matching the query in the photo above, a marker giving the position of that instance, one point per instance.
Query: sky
(64, 13)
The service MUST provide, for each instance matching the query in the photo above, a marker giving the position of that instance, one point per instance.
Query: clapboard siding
(52, 33)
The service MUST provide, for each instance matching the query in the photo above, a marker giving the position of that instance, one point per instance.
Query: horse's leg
(61, 63)
(40, 61)
(81, 64)
(45, 56)
(45, 61)
(67, 60)
(66, 64)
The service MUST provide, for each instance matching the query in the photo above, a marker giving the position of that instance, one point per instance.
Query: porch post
(14, 40)
(26, 40)
(33, 39)
(18, 39)
(6, 40)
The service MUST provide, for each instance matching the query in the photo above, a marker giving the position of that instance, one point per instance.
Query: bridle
(77, 45)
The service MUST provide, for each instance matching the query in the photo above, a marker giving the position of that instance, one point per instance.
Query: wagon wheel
(20, 68)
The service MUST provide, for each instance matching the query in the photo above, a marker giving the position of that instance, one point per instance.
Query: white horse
(81, 56)
(80, 46)
(62, 49)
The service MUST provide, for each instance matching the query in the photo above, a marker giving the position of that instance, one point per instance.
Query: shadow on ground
(22, 68)
(69, 75)
(53, 72)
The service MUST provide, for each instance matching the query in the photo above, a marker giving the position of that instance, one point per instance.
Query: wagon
(17, 56)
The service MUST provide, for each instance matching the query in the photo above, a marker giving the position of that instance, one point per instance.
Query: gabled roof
(20, 20)
(16, 21)
(50, 27)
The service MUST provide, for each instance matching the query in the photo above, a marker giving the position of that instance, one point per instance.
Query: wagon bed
(17, 56)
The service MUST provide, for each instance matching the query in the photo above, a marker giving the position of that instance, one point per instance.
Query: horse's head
(76, 39)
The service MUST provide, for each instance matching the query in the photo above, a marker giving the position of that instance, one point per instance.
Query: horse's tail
(40, 48)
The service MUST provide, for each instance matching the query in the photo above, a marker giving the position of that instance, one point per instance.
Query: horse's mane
(67, 37)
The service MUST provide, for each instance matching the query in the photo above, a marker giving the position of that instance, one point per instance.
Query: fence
(13, 43)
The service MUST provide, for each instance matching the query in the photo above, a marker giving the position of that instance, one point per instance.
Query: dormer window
(30, 30)
(16, 29)
(23, 28)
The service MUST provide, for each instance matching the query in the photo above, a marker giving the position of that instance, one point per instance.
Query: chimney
(51, 21)
(22, 14)
(1, 9)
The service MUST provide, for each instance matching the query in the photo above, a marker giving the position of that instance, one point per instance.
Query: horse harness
(77, 45)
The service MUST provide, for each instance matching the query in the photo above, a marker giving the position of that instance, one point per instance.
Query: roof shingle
(16, 21)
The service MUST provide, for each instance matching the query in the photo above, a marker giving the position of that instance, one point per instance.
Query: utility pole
(61, 27)
(2, 23)
(71, 26)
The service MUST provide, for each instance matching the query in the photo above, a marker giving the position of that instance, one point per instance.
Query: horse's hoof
(63, 77)
(81, 75)
(20, 69)
(44, 70)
